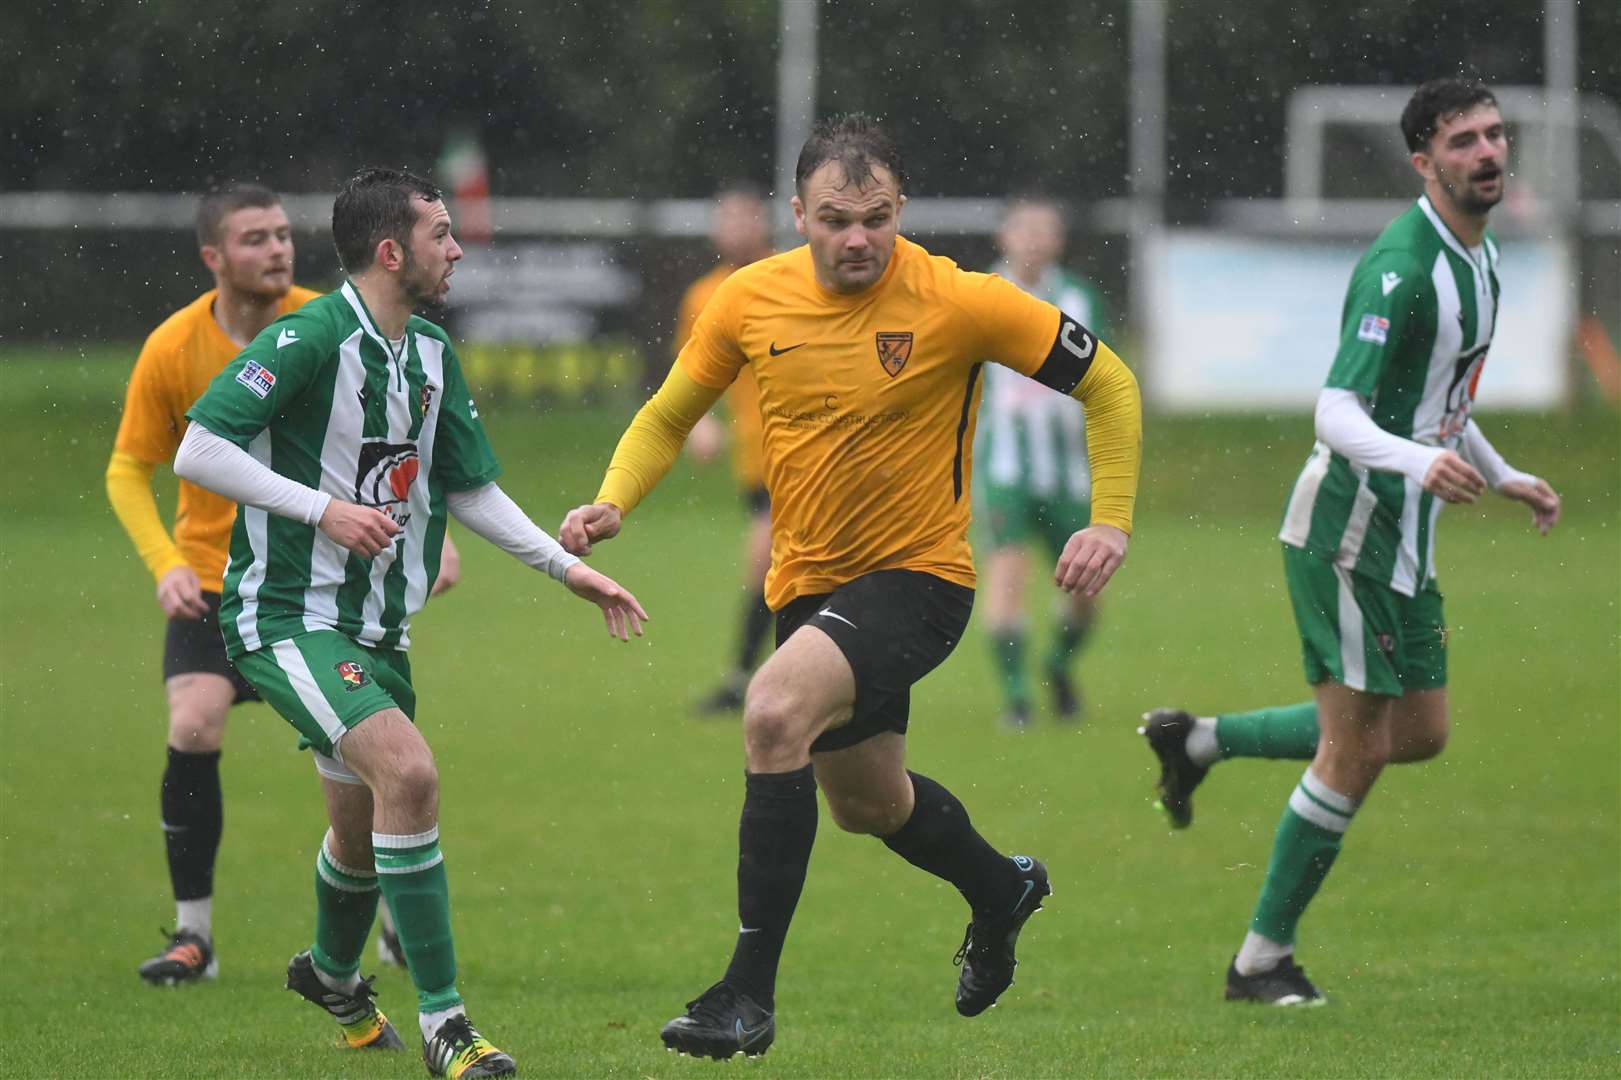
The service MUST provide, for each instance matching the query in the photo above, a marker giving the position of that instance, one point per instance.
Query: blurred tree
(655, 97)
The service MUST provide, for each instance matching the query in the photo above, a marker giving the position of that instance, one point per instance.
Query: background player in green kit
(1031, 479)
(346, 433)
(1395, 442)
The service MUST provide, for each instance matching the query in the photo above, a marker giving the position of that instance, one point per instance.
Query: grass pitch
(1469, 928)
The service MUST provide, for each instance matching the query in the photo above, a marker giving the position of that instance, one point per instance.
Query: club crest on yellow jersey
(894, 349)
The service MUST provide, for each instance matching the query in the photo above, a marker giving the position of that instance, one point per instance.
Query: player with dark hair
(347, 432)
(868, 353)
(1032, 481)
(1395, 442)
(246, 241)
(739, 230)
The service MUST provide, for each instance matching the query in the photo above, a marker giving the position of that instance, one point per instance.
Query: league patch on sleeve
(256, 378)
(1374, 328)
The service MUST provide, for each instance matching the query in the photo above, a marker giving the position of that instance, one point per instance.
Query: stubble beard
(419, 288)
(254, 288)
(1463, 195)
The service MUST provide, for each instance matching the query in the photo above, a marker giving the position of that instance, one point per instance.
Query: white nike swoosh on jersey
(1389, 281)
(749, 929)
(830, 613)
(285, 338)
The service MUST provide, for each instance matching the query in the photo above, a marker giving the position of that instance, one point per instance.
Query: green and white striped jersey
(1414, 333)
(1030, 435)
(322, 398)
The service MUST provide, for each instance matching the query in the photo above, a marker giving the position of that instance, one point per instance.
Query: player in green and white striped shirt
(1031, 480)
(1395, 442)
(346, 433)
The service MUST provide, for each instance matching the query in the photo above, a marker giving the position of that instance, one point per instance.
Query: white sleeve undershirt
(1480, 453)
(492, 514)
(1344, 426)
(222, 467)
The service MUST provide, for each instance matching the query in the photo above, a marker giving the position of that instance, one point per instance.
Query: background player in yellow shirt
(245, 240)
(740, 232)
(867, 351)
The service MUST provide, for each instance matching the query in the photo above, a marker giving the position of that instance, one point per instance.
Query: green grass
(1471, 927)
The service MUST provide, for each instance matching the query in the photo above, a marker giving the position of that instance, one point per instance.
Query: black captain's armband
(1070, 356)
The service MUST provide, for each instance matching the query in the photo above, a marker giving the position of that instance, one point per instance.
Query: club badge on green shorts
(353, 675)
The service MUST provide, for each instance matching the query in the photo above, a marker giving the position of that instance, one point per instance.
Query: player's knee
(1422, 745)
(194, 728)
(416, 782)
(770, 723)
(1362, 750)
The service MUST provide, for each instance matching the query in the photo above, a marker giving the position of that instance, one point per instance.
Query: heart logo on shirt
(401, 478)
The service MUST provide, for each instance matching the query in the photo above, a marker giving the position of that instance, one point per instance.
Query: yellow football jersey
(742, 398)
(175, 366)
(868, 403)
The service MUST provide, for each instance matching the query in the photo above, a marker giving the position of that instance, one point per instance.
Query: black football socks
(756, 623)
(193, 820)
(939, 838)
(774, 838)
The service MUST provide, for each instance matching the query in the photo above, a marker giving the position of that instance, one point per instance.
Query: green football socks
(1008, 645)
(345, 905)
(411, 871)
(1286, 731)
(1304, 849)
(1067, 641)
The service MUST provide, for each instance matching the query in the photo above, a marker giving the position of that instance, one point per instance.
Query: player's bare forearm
(1090, 559)
(450, 568)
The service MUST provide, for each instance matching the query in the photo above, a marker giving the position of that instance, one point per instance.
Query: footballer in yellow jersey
(738, 230)
(742, 397)
(245, 240)
(175, 366)
(867, 352)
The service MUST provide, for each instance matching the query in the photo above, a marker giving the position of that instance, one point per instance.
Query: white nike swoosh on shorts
(830, 613)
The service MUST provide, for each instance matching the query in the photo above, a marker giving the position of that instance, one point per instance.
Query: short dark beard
(1471, 203)
(418, 297)
(1462, 194)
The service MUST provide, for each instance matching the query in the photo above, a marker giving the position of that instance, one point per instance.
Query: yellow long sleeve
(653, 440)
(129, 489)
(1114, 437)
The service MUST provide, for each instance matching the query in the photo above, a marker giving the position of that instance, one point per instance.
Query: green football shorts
(324, 683)
(1013, 514)
(1366, 635)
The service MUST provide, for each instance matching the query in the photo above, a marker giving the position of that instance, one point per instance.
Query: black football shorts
(894, 627)
(195, 645)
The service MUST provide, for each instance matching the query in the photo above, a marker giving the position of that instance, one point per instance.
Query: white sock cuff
(1321, 805)
(395, 842)
(326, 851)
(1326, 795)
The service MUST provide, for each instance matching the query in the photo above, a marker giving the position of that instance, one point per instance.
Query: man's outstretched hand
(1539, 496)
(620, 609)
